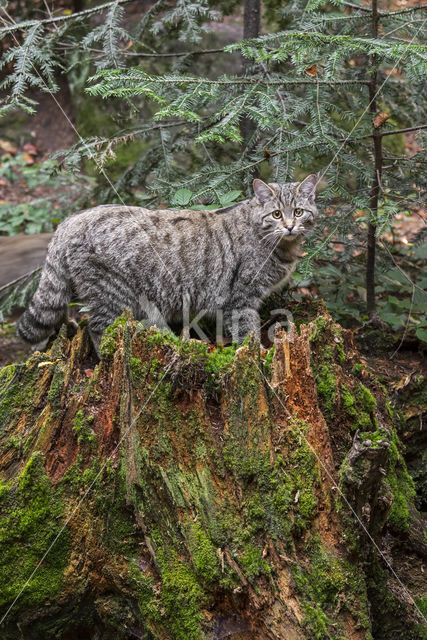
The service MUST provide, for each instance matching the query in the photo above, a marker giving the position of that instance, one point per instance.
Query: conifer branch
(391, 14)
(419, 127)
(26, 24)
(384, 14)
(171, 54)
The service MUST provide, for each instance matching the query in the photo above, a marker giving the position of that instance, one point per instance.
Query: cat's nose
(290, 227)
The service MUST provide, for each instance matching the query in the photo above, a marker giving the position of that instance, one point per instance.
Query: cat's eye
(277, 214)
(298, 213)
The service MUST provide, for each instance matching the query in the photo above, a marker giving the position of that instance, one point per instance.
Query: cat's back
(119, 218)
(123, 227)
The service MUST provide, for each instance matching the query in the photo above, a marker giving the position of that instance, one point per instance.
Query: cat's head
(288, 211)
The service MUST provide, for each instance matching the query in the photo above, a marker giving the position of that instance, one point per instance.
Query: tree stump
(178, 491)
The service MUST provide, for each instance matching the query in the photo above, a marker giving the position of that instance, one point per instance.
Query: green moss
(17, 384)
(359, 406)
(268, 362)
(109, 338)
(31, 511)
(366, 398)
(252, 562)
(375, 437)
(195, 362)
(137, 371)
(181, 595)
(326, 388)
(402, 487)
(203, 553)
(56, 385)
(282, 497)
(421, 603)
(145, 589)
(82, 428)
(304, 473)
(397, 477)
(256, 512)
(340, 352)
(316, 620)
(7, 373)
(330, 587)
(348, 401)
(389, 612)
(357, 369)
(119, 531)
(12, 443)
(319, 325)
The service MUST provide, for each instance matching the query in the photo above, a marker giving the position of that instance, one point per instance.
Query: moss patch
(181, 595)
(108, 344)
(331, 587)
(326, 388)
(31, 511)
(82, 428)
(402, 487)
(17, 385)
(203, 553)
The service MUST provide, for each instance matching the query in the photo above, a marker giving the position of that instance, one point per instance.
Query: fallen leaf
(7, 147)
(380, 119)
(266, 153)
(312, 71)
(30, 148)
(27, 158)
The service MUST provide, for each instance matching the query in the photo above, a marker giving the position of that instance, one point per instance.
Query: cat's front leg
(238, 322)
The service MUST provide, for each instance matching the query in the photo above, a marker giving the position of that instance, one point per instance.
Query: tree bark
(251, 29)
(376, 180)
(175, 491)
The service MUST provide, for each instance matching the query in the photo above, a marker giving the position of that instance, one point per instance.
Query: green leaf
(394, 320)
(182, 197)
(229, 197)
(421, 333)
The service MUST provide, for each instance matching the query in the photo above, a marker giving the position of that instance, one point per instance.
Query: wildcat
(113, 257)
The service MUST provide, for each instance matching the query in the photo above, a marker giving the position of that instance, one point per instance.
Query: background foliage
(162, 94)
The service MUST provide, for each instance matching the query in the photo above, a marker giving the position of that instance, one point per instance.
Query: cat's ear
(307, 188)
(263, 192)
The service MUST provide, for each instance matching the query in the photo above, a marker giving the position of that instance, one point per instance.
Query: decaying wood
(175, 491)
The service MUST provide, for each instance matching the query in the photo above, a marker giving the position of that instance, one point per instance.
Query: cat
(155, 263)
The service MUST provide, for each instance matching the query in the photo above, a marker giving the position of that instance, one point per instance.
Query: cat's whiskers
(273, 242)
(267, 238)
(271, 239)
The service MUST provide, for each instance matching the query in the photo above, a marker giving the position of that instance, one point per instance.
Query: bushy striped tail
(47, 309)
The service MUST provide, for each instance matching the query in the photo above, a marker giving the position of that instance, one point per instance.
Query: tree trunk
(251, 29)
(371, 305)
(175, 491)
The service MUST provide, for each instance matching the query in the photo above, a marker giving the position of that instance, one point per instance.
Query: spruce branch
(109, 34)
(419, 127)
(81, 15)
(382, 14)
(35, 51)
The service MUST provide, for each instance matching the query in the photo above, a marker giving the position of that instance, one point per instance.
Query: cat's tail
(47, 310)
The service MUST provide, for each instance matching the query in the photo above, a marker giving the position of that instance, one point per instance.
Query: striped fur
(113, 257)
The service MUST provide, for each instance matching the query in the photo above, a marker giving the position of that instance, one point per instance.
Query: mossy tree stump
(178, 491)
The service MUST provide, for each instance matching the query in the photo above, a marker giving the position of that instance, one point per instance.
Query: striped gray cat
(157, 263)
